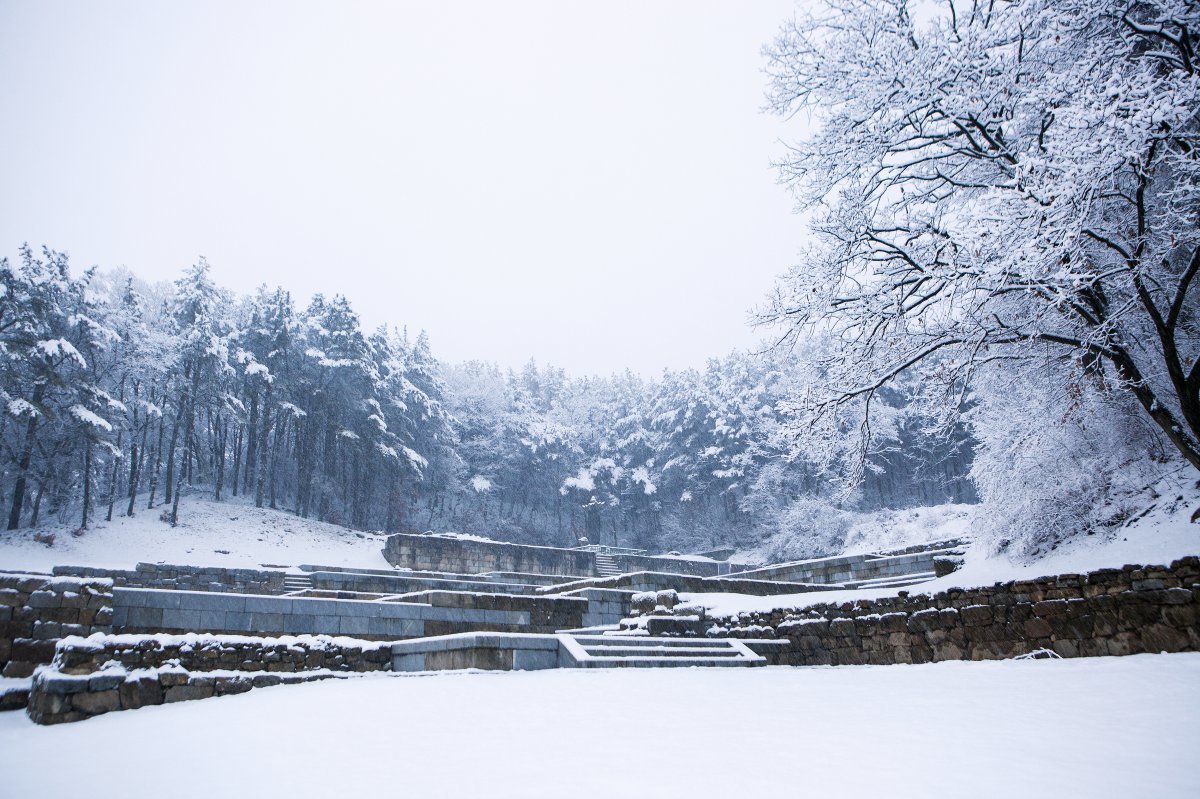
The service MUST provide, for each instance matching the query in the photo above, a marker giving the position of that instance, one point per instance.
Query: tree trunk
(158, 451)
(180, 409)
(18, 501)
(260, 461)
(188, 402)
(251, 445)
(37, 502)
(237, 460)
(87, 484)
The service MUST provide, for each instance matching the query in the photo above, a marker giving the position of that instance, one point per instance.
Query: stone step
(618, 651)
(680, 651)
(663, 662)
(898, 581)
(606, 566)
(297, 583)
(642, 641)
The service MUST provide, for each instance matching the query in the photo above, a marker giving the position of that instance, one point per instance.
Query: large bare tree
(992, 180)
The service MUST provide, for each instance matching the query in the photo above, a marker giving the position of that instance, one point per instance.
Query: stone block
(171, 679)
(976, 615)
(33, 650)
(1038, 628)
(140, 691)
(145, 618)
(96, 702)
(44, 599)
(1050, 607)
(1164, 638)
(189, 691)
(224, 686)
(105, 681)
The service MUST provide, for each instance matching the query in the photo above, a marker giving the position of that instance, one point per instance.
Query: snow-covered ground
(228, 533)
(1098, 727)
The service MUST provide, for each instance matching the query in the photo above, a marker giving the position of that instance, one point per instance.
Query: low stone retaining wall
(400, 583)
(851, 569)
(486, 651)
(438, 554)
(137, 610)
(101, 674)
(661, 581)
(543, 614)
(695, 568)
(1107, 612)
(537, 614)
(465, 556)
(37, 610)
(198, 652)
(185, 578)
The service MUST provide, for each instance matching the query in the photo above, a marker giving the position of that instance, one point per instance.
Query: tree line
(123, 396)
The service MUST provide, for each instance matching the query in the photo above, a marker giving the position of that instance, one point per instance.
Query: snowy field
(1099, 727)
(228, 533)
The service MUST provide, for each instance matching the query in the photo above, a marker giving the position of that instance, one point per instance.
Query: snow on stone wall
(37, 610)
(1107, 612)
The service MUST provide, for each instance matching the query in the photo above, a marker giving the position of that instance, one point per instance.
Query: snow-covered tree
(994, 182)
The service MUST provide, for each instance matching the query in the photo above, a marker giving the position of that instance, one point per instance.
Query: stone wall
(533, 614)
(101, 674)
(185, 578)
(37, 610)
(137, 610)
(695, 568)
(403, 582)
(851, 569)
(200, 652)
(658, 581)
(435, 553)
(1107, 612)
(464, 556)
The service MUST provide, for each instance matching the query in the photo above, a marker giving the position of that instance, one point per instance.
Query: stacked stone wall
(403, 582)
(1107, 612)
(537, 614)
(101, 674)
(185, 578)
(694, 568)
(438, 554)
(658, 581)
(851, 568)
(37, 610)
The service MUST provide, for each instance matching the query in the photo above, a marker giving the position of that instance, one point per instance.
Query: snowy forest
(996, 304)
(122, 396)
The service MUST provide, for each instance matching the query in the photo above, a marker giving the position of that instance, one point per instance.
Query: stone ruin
(98, 640)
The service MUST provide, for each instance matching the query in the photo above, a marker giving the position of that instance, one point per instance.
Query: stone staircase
(525, 651)
(296, 582)
(627, 651)
(606, 566)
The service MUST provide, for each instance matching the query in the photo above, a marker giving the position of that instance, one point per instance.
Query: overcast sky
(585, 184)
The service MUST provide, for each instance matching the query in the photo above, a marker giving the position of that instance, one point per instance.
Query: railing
(606, 550)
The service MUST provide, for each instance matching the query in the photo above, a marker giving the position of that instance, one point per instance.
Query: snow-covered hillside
(228, 533)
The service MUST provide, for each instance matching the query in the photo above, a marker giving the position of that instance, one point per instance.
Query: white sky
(588, 184)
